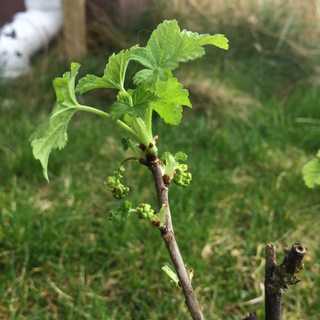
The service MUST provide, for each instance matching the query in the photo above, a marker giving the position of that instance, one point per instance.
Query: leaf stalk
(107, 115)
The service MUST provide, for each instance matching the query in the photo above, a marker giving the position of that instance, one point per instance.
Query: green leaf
(171, 274)
(119, 109)
(144, 75)
(162, 215)
(170, 164)
(113, 77)
(311, 173)
(172, 96)
(54, 134)
(142, 97)
(139, 126)
(91, 82)
(144, 56)
(168, 46)
(149, 77)
(135, 104)
(123, 105)
(218, 40)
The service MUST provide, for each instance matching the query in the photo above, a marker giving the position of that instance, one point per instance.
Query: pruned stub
(285, 273)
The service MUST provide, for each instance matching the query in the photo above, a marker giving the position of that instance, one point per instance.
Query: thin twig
(168, 237)
(129, 159)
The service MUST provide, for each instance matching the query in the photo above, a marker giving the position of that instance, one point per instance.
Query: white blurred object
(43, 5)
(30, 31)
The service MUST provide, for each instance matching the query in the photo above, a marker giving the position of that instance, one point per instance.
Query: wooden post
(74, 28)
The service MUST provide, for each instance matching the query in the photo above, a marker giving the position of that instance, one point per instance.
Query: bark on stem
(272, 295)
(279, 277)
(168, 237)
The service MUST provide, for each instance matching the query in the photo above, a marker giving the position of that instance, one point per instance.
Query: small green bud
(114, 183)
(182, 167)
(145, 211)
(182, 177)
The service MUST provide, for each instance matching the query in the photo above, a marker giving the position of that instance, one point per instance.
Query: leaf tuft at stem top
(155, 89)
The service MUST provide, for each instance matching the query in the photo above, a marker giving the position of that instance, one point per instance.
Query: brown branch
(279, 277)
(168, 237)
(272, 296)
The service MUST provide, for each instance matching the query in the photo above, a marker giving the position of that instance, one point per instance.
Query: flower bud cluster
(145, 211)
(115, 184)
(182, 176)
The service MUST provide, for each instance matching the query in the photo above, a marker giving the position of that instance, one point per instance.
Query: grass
(62, 257)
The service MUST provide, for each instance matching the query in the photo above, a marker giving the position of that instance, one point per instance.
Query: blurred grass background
(62, 257)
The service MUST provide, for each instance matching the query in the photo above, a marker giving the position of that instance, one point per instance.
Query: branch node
(166, 180)
(285, 273)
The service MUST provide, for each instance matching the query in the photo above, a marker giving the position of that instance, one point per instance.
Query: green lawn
(62, 257)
